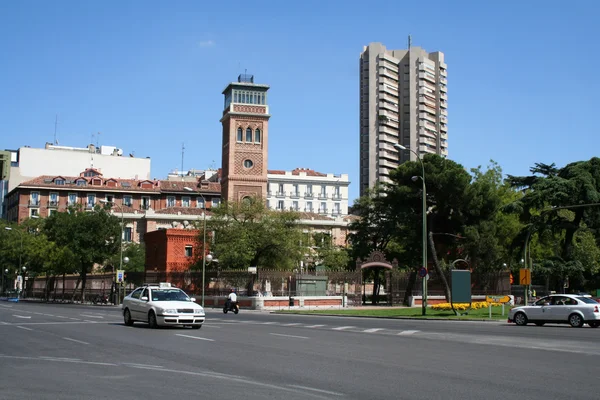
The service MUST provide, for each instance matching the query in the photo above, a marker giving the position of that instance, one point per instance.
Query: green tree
(136, 252)
(249, 234)
(87, 234)
(558, 203)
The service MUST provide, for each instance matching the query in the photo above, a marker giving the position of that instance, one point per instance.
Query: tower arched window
(248, 135)
(239, 135)
(257, 136)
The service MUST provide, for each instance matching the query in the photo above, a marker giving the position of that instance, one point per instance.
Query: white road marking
(61, 316)
(341, 328)
(75, 340)
(194, 337)
(210, 326)
(4, 323)
(239, 379)
(22, 327)
(142, 365)
(22, 316)
(316, 390)
(269, 323)
(76, 319)
(48, 315)
(407, 333)
(6, 306)
(69, 360)
(59, 358)
(90, 316)
(314, 326)
(373, 330)
(290, 336)
(293, 324)
(64, 322)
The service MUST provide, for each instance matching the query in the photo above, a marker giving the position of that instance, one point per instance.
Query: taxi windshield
(169, 295)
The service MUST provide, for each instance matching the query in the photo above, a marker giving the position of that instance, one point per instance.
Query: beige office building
(403, 99)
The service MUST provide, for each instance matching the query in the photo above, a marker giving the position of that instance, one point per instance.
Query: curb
(399, 317)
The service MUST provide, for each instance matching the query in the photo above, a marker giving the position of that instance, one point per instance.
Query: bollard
(490, 310)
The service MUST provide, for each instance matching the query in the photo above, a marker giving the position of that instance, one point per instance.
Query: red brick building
(172, 250)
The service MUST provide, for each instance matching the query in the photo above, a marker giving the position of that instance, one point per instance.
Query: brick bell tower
(245, 138)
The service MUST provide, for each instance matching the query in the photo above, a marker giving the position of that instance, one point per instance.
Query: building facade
(245, 139)
(70, 161)
(305, 190)
(403, 100)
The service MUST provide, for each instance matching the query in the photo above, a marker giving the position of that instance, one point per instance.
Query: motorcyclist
(231, 299)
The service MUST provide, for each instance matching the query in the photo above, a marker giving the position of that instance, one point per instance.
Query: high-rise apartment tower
(403, 99)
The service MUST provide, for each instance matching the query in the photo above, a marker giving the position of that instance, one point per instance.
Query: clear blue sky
(148, 75)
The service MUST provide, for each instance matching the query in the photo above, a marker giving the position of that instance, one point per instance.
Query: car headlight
(198, 311)
(170, 311)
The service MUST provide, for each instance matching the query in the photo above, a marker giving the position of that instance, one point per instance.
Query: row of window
(337, 210)
(249, 138)
(186, 201)
(309, 190)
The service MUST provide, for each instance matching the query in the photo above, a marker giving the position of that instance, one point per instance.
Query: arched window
(248, 135)
(239, 135)
(257, 136)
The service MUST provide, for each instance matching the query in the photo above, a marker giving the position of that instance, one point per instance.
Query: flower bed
(464, 306)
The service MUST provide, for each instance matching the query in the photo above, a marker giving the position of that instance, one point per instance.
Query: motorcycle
(231, 307)
(101, 299)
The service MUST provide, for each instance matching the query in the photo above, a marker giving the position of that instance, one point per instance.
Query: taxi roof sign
(164, 285)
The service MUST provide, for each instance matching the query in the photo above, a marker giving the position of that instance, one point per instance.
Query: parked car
(162, 305)
(558, 309)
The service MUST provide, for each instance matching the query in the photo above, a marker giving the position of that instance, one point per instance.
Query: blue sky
(148, 75)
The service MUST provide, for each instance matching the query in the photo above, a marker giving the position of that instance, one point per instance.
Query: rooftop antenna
(182, 154)
(409, 41)
(55, 126)
(97, 139)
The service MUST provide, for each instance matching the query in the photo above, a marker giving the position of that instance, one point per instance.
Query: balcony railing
(322, 210)
(280, 194)
(322, 196)
(336, 196)
(147, 206)
(308, 195)
(295, 195)
(52, 203)
(308, 210)
(89, 205)
(34, 203)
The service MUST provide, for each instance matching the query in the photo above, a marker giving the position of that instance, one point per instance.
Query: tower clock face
(248, 163)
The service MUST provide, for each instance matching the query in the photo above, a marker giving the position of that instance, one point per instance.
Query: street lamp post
(424, 287)
(21, 250)
(3, 273)
(120, 242)
(205, 256)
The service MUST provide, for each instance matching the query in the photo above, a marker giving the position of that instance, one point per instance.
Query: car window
(145, 294)
(136, 293)
(558, 301)
(542, 301)
(587, 300)
(169, 295)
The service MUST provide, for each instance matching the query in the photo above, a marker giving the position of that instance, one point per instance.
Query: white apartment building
(403, 100)
(305, 190)
(29, 163)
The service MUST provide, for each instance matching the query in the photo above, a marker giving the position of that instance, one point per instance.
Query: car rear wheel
(152, 320)
(575, 320)
(520, 319)
(540, 323)
(594, 324)
(127, 317)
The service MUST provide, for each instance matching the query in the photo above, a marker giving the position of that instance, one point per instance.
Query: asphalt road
(85, 352)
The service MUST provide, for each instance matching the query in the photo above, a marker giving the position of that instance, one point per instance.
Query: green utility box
(311, 285)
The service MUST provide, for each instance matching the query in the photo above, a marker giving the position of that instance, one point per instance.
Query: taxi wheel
(152, 320)
(575, 320)
(127, 317)
(520, 319)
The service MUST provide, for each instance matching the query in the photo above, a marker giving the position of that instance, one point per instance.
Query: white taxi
(162, 305)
